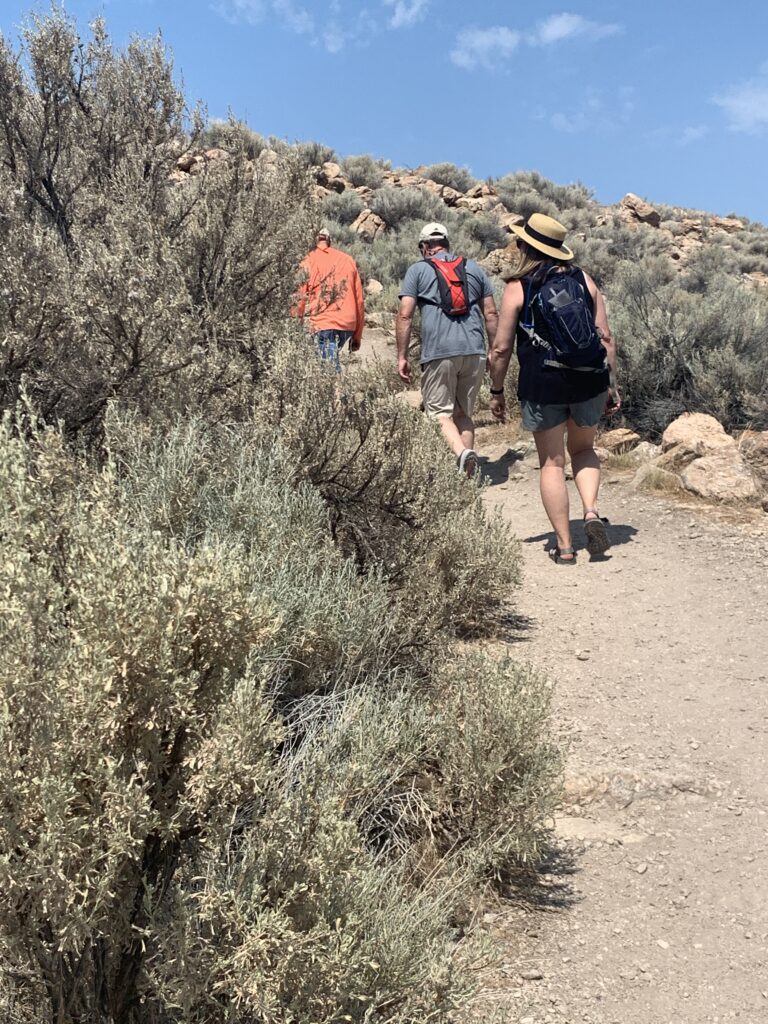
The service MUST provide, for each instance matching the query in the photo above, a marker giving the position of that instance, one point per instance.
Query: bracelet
(499, 392)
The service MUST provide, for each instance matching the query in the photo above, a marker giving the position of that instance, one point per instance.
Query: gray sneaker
(467, 462)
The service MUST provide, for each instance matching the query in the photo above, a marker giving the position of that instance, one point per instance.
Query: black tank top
(549, 385)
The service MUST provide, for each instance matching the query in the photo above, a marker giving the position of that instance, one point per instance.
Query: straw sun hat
(545, 234)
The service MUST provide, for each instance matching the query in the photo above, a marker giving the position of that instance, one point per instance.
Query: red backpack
(452, 282)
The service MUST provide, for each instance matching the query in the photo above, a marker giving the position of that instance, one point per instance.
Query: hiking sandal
(556, 554)
(598, 541)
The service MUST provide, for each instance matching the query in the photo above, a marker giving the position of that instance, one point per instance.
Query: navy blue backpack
(557, 315)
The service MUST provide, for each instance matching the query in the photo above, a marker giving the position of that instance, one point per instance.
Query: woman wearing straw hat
(557, 401)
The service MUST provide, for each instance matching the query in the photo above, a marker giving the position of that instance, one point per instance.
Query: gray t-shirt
(443, 335)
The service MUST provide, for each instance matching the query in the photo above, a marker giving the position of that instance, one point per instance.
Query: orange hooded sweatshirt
(332, 293)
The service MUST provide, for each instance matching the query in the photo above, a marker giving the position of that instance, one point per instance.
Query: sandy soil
(655, 909)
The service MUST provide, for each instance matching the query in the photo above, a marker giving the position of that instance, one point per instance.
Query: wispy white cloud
(235, 11)
(488, 47)
(559, 27)
(406, 12)
(296, 17)
(342, 23)
(746, 104)
(595, 113)
(484, 47)
(693, 133)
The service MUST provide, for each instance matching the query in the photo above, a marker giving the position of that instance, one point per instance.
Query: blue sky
(668, 98)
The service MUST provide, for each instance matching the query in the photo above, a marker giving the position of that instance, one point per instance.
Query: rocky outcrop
(369, 225)
(723, 476)
(637, 210)
(698, 455)
(753, 445)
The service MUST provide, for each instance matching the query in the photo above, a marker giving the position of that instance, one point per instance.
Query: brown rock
(619, 440)
(481, 190)
(722, 476)
(331, 177)
(186, 160)
(216, 154)
(374, 287)
(500, 261)
(697, 434)
(476, 205)
(369, 225)
(758, 278)
(639, 210)
(507, 219)
(728, 224)
(753, 445)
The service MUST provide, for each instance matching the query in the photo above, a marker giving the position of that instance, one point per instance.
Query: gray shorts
(537, 416)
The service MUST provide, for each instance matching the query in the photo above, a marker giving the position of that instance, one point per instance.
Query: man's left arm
(359, 295)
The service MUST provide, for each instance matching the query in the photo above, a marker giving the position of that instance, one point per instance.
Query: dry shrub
(396, 503)
(118, 283)
(233, 787)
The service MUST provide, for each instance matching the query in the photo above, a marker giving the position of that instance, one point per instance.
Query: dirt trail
(656, 911)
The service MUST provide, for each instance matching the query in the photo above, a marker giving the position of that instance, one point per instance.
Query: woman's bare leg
(550, 444)
(586, 464)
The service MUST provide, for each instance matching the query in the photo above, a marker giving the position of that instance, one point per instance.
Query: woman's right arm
(608, 340)
(504, 344)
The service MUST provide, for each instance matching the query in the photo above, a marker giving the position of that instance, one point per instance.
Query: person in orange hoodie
(331, 294)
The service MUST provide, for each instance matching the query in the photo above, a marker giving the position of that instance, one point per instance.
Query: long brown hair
(531, 263)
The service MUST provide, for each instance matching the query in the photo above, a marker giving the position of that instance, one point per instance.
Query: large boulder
(369, 225)
(695, 434)
(753, 445)
(721, 476)
(330, 177)
(374, 287)
(636, 209)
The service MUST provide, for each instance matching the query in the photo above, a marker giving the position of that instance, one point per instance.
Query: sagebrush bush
(156, 292)
(234, 790)
(449, 174)
(395, 501)
(343, 207)
(397, 206)
(364, 170)
(699, 348)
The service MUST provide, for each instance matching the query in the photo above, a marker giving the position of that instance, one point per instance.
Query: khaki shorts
(455, 380)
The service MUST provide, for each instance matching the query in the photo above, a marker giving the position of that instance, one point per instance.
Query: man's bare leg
(458, 431)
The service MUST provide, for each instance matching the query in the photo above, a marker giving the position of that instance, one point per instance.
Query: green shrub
(234, 789)
(449, 174)
(343, 207)
(116, 281)
(397, 206)
(232, 135)
(315, 154)
(364, 170)
(694, 349)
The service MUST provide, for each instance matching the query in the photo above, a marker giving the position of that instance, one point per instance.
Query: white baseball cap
(433, 230)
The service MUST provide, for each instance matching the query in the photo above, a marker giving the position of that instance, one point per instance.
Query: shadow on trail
(618, 533)
(550, 886)
(497, 471)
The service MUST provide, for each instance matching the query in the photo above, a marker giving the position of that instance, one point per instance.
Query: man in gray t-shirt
(452, 342)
